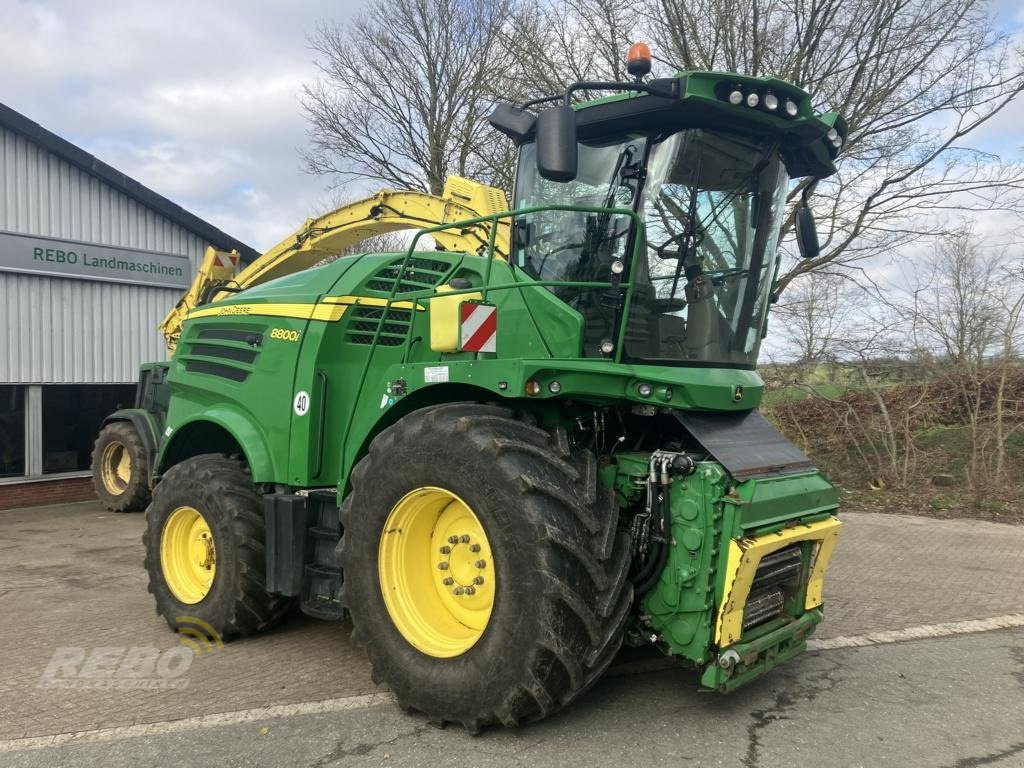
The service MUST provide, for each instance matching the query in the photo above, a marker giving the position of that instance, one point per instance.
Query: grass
(785, 394)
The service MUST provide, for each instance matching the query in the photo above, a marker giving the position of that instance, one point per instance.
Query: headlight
(736, 97)
(752, 99)
(791, 108)
(771, 101)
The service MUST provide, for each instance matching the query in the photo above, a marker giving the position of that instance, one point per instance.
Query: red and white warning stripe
(228, 260)
(479, 327)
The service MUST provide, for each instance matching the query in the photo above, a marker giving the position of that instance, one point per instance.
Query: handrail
(493, 218)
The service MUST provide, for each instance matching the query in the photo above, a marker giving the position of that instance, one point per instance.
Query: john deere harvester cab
(502, 464)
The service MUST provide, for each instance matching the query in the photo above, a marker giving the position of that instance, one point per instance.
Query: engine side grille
(216, 369)
(419, 274)
(247, 336)
(364, 322)
(217, 351)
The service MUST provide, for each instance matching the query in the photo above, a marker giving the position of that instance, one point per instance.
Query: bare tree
(914, 79)
(812, 316)
(1009, 409)
(956, 311)
(557, 42)
(404, 92)
(871, 425)
(968, 312)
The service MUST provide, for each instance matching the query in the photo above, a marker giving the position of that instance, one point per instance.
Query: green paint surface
(302, 398)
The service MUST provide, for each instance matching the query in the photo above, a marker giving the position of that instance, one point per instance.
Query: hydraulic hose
(651, 572)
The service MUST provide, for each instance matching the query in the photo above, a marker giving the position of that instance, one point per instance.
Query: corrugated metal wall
(56, 330)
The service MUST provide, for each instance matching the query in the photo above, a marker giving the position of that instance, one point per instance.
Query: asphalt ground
(71, 577)
(956, 702)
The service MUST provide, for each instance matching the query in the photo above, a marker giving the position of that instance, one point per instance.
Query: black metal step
(322, 576)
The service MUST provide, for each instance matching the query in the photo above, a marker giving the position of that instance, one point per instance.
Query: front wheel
(484, 570)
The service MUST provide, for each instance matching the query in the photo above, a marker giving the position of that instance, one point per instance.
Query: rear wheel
(484, 571)
(120, 468)
(205, 549)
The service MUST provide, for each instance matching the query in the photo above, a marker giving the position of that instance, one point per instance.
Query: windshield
(713, 207)
(578, 246)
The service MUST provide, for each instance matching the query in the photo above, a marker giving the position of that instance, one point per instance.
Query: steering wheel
(679, 237)
(667, 306)
(553, 252)
(719, 276)
(659, 250)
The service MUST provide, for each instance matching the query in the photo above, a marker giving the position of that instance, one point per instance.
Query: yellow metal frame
(330, 309)
(326, 312)
(370, 301)
(328, 235)
(745, 555)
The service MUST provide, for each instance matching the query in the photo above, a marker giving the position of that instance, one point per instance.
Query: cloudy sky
(199, 99)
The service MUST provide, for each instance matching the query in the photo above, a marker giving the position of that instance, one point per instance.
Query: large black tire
(221, 490)
(560, 564)
(119, 494)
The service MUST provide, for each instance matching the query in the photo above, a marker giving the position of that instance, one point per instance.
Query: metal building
(90, 262)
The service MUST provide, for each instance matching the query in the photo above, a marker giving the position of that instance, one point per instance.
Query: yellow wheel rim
(115, 468)
(187, 555)
(436, 572)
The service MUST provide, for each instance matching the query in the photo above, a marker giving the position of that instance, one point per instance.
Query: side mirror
(806, 229)
(557, 158)
(513, 121)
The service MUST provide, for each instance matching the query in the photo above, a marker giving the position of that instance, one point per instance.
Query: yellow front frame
(745, 555)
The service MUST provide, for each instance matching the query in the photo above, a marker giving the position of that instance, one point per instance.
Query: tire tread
(251, 609)
(587, 596)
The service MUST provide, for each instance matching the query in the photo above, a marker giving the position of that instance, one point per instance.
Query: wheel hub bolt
(478, 580)
(446, 550)
(481, 564)
(453, 539)
(448, 581)
(443, 566)
(470, 590)
(458, 591)
(474, 547)
(464, 538)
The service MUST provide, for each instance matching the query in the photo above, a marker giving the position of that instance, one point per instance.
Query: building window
(72, 415)
(12, 431)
